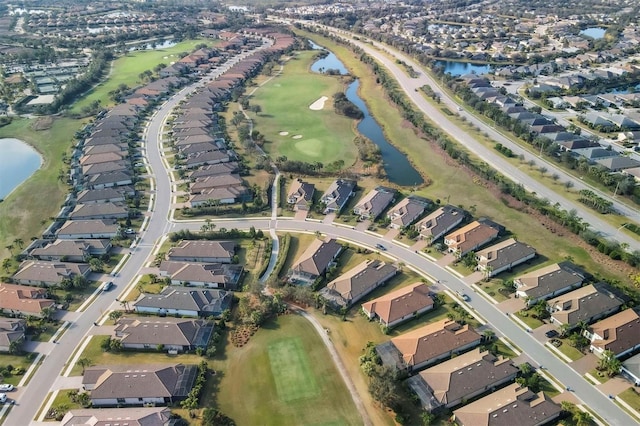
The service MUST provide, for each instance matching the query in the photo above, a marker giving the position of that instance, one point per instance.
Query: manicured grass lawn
(297, 245)
(569, 350)
(15, 361)
(533, 323)
(631, 397)
(284, 376)
(450, 182)
(126, 69)
(63, 400)
(97, 356)
(325, 135)
(25, 212)
(291, 370)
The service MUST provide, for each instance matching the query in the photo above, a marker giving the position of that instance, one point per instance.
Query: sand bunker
(297, 137)
(319, 104)
(283, 133)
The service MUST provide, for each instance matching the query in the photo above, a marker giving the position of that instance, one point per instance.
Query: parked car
(129, 231)
(6, 387)
(551, 334)
(3, 397)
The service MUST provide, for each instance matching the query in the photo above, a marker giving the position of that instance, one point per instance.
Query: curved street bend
(31, 397)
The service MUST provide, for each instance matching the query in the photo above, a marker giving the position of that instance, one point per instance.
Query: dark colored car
(551, 334)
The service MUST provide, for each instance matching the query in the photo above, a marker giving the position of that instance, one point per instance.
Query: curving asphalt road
(411, 87)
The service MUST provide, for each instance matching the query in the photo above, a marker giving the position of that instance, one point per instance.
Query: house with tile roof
(441, 221)
(503, 256)
(135, 416)
(203, 251)
(585, 304)
(107, 210)
(619, 333)
(171, 334)
(70, 250)
(11, 333)
(24, 300)
(472, 236)
(400, 305)
(89, 229)
(374, 203)
(210, 275)
(300, 195)
(337, 195)
(138, 385)
(185, 301)
(315, 261)
(407, 211)
(461, 378)
(45, 273)
(428, 344)
(548, 282)
(357, 282)
(512, 405)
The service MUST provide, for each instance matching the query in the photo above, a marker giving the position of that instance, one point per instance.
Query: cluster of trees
(256, 308)
(594, 201)
(299, 167)
(504, 150)
(345, 107)
(192, 400)
(209, 233)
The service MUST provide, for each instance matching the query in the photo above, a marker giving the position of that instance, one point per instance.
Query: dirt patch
(42, 123)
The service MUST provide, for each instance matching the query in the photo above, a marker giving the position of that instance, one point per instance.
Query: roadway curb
(46, 405)
(30, 371)
(631, 410)
(484, 294)
(76, 356)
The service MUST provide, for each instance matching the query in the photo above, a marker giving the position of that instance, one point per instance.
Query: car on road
(5, 387)
(551, 334)
(380, 247)
(107, 286)
(463, 296)
(3, 397)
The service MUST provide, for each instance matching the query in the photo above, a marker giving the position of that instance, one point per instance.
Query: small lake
(160, 44)
(458, 68)
(17, 162)
(594, 32)
(330, 62)
(396, 165)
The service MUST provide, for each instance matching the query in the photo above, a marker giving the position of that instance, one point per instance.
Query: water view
(17, 162)
(396, 165)
(329, 62)
(458, 68)
(594, 32)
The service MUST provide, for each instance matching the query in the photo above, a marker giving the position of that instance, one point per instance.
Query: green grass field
(284, 376)
(126, 69)
(25, 212)
(291, 370)
(324, 135)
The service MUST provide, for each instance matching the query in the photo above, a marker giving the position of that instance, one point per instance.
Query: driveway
(421, 244)
(614, 386)
(446, 260)
(391, 234)
(329, 218)
(585, 364)
(301, 214)
(474, 278)
(363, 226)
(512, 305)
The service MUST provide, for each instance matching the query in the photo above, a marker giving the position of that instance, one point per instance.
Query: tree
(115, 315)
(6, 264)
(582, 418)
(609, 363)
(84, 363)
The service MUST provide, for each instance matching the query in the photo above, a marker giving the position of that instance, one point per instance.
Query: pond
(458, 68)
(396, 165)
(17, 163)
(594, 32)
(329, 62)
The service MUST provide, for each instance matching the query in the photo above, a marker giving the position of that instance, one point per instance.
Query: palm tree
(84, 363)
(582, 418)
(18, 242)
(488, 335)
(10, 248)
(6, 264)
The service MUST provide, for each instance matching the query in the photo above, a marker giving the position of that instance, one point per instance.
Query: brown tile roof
(620, 331)
(549, 279)
(509, 406)
(202, 249)
(317, 256)
(397, 304)
(360, 280)
(433, 340)
(470, 236)
(22, 298)
(584, 303)
(49, 272)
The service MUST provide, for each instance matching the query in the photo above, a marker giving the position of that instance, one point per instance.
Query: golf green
(291, 370)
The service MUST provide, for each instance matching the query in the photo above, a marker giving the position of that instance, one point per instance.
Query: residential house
(472, 236)
(315, 261)
(185, 301)
(210, 182)
(99, 211)
(619, 333)
(170, 334)
(24, 300)
(71, 250)
(138, 385)
(105, 195)
(203, 251)
(215, 170)
(374, 203)
(224, 195)
(137, 416)
(631, 369)
(503, 256)
(301, 195)
(615, 164)
(211, 275)
(547, 282)
(428, 344)
(11, 333)
(400, 305)
(462, 378)
(440, 222)
(586, 304)
(337, 195)
(512, 405)
(44, 273)
(407, 211)
(356, 283)
(91, 229)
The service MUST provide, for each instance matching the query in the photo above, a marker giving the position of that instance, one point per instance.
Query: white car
(3, 397)
(6, 387)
